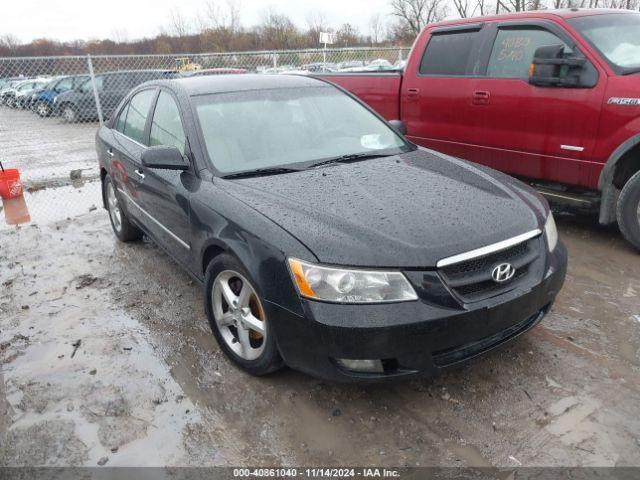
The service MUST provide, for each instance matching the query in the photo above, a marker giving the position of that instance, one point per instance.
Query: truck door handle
(480, 97)
(413, 93)
(139, 173)
(110, 152)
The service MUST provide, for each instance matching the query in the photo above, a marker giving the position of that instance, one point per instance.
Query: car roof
(204, 85)
(561, 13)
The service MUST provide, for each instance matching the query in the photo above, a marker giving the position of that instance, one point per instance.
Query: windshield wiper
(263, 171)
(349, 158)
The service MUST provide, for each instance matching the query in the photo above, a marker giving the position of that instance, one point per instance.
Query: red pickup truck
(552, 97)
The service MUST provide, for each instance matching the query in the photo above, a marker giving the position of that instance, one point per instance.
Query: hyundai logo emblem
(503, 273)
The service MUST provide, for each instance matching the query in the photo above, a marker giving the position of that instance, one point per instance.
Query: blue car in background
(42, 101)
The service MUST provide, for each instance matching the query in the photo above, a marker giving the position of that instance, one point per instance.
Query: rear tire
(628, 211)
(122, 227)
(253, 349)
(69, 114)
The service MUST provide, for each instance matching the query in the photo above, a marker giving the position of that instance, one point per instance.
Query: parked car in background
(549, 96)
(79, 104)
(7, 81)
(212, 71)
(23, 94)
(42, 100)
(351, 64)
(379, 64)
(8, 94)
(319, 67)
(324, 240)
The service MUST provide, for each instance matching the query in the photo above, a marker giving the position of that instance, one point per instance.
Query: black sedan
(323, 239)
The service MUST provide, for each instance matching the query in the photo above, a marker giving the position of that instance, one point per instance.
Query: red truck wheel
(628, 211)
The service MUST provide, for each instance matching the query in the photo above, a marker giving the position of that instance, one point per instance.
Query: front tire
(628, 211)
(43, 109)
(122, 227)
(238, 319)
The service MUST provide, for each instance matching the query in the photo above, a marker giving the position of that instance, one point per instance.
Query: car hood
(409, 210)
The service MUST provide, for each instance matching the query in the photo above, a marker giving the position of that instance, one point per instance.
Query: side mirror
(164, 157)
(398, 126)
(551, 67)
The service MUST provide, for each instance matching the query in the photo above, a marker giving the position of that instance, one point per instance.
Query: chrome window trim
(482, 251)
(153, 219)
(129, 138)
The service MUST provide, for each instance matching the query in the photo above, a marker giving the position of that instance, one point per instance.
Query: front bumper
(412, 338)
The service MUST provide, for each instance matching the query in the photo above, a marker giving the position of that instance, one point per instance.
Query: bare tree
(347, 35)
(178, 25)
(375, 28)
(219, 15)
(316, 22)
(9, 43)
(415, 14)
(120, 35)
(278, 31)
(462, 8)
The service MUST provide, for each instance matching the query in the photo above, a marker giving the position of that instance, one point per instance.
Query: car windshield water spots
(260, 129)
(615, 36)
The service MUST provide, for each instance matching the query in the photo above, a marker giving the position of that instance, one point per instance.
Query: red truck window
(514, 48)
(448, 53)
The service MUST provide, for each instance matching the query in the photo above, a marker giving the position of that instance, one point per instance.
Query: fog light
(363, 366)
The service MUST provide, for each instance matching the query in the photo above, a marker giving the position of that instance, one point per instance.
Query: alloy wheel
(239, 315)
(43, 109)
(114, 207)
(68, 114)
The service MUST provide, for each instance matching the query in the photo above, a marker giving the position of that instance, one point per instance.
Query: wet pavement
(107, 358)
(46, 150)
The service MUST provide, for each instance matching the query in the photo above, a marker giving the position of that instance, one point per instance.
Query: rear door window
(514, 48)
(448, 53)
(137, 113)
(122, 118)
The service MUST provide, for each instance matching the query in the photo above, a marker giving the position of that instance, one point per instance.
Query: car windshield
(615, 36)
(247, 131)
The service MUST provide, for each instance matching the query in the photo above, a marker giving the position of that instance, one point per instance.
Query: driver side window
(514, 48)
(166, 126)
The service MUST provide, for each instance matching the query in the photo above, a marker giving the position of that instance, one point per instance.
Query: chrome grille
(471, 280)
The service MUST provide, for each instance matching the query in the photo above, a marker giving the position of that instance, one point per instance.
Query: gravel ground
(107, 359)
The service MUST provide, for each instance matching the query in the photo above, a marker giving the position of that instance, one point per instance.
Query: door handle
(110, 152)
(413, 93)
(480, 97)
(139, 173)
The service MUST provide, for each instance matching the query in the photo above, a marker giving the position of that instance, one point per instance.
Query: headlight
(551, 232)
(350, 286)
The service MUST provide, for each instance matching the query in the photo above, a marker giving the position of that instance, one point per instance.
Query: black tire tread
(627, 211)
(128, 232)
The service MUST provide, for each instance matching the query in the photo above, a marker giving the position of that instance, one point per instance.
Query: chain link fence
(50, 108)
(78, 88)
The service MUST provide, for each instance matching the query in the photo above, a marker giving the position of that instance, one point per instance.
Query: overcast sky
(81, 19)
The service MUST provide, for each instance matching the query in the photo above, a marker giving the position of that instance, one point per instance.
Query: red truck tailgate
(381, 91)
